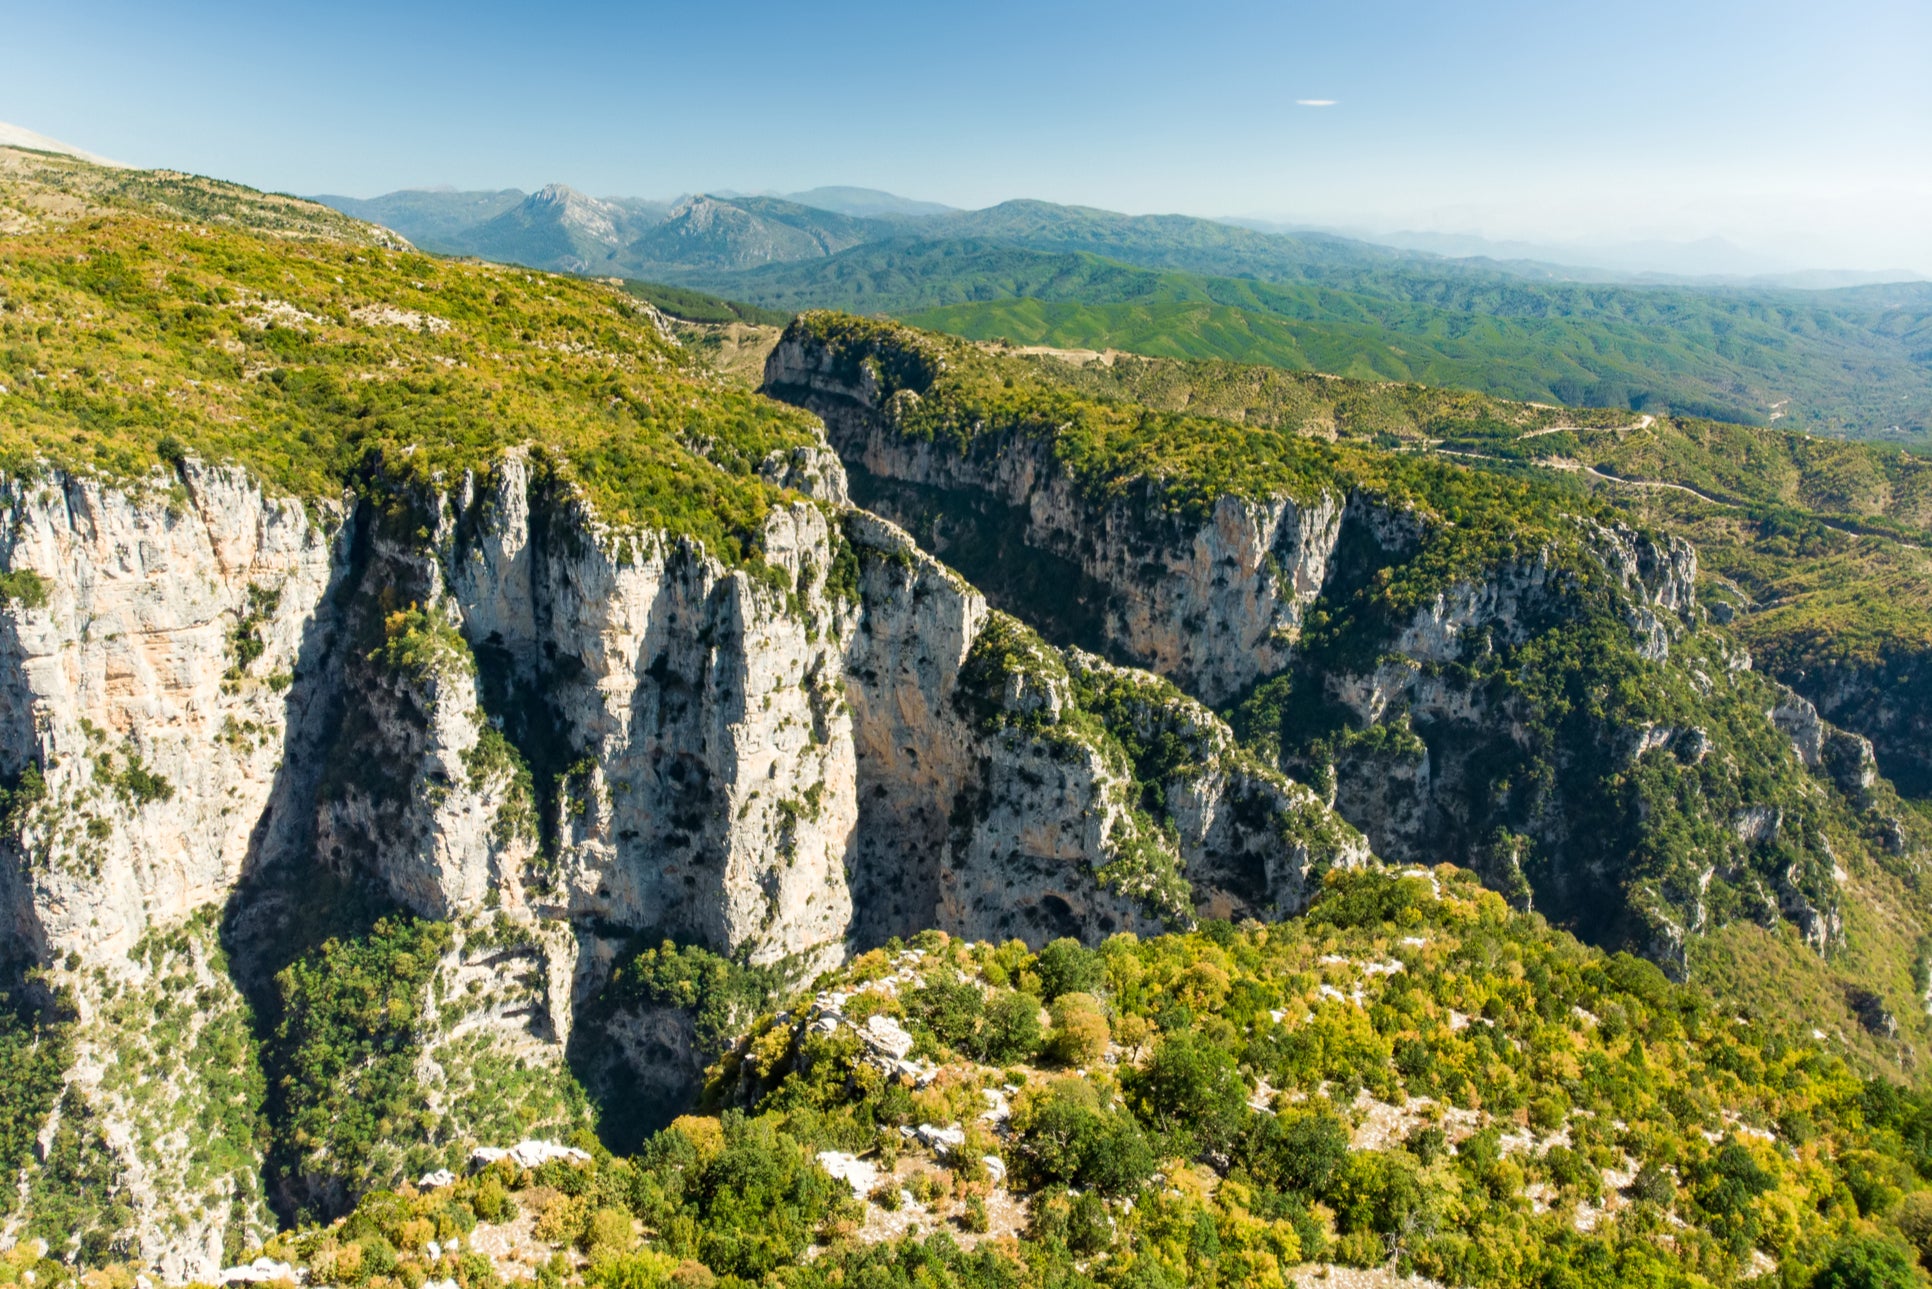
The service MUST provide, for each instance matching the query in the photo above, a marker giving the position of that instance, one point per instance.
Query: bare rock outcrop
(494, 711)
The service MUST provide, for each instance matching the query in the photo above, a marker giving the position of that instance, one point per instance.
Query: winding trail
(1658, 483)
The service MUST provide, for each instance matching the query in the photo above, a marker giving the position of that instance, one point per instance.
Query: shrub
(1298, 1151)
(953, 1010)
(642, 1269)
(560, 1219)
(24, 587)
(1376, 1190)
(1867, 1262)
(1012, 1028)
(1066, 966)
(1191, 1090)
(1089, 1229)
(1080, 1032)
(1069, 1138)
(492, 1202)
(607, 1233)
(1913, 1217)
(1653, 1184)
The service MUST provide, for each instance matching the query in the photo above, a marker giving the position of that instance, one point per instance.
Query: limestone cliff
(481, 706)
(1425, 661)
(1213, 606)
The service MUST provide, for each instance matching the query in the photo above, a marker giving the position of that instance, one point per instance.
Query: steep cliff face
(159, 657)
(999, 778)
(1214, 606)
(1471, 670)
(495, 715)
(149, 681)
(1888, 699)
(599, 726)
(1416, 686)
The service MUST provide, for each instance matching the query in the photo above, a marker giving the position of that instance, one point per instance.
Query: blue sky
(1803, 131)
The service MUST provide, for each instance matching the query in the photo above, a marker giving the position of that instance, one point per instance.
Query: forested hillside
(1854, 361)
(1410, 1076)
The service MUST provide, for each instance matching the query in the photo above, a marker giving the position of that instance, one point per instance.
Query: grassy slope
(310, 355)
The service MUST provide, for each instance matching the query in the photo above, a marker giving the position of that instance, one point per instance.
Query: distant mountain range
(1705, 261)
(1852, 360)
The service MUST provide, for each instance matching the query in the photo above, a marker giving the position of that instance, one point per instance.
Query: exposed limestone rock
(1252, 842)
(154, 692)
(1213, 607)
(528, 1154)
(551, 735)
(1846, 757)
(1401, 709)
(688, 713)
(815, 471)
(986, 811)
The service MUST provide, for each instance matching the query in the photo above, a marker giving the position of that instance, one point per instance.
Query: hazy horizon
(1798, 136)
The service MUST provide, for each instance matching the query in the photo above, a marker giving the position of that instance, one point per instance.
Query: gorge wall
(485, 709)
(1441, 700)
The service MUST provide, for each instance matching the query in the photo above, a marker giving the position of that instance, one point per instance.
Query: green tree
(1011, 1031)
(1066, 966)
(1080, 1030)
(1192, 1091)
(1867, 1262)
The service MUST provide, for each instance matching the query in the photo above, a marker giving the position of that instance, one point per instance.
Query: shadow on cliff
(288, 903)
(984, 538)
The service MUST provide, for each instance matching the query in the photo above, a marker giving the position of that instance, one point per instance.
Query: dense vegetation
(695, 306)
(1410, 1076)
(1389, 414)
(1815, 549)
(1819, 359)
(347, 1045)
(1671, 354)
(1577, 763)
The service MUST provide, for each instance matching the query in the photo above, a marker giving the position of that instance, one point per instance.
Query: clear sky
(1798, 130)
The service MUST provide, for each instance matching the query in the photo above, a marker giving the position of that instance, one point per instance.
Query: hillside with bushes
(488, 796)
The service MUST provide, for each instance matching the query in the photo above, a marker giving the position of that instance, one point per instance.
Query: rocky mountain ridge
(496, 712)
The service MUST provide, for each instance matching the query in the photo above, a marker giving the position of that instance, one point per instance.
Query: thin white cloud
(1316, 102)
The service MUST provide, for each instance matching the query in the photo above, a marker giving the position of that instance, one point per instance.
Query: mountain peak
(586, 215)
